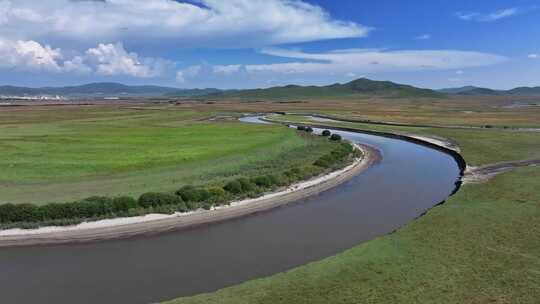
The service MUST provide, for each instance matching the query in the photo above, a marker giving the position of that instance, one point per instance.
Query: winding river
(409, 180)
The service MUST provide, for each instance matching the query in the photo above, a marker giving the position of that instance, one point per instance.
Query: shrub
(322, 162)
(10, 213)
(100, 205)
(326, 133)
(7, 213)
(165, 209)
(264, 181)
(336, 156)
(233, 187)
(281, 179)
(335, 137)
(301, 128)
(124, 203)
(293, 174)
(193, 194)
(217, 195)
(216, 191)
(309, 129)
(247, 185)
(154, 199)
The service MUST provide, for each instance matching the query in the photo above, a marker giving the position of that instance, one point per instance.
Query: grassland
(67, 153)
(468, 111)
(481, 246)
(478, 146)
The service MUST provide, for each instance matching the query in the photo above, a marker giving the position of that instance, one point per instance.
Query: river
(409, 180)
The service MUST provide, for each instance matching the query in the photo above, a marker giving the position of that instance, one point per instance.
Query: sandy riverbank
(154, 223)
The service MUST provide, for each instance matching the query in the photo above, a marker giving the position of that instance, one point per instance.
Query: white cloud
(376, 60)
(423, 37)
(459, 72)
(533, 56)
(355, 62)
(105, 59)
(227, 69)
(113, 59)
(29, 55)
(492, 16)
(189, 72)
(207, 22)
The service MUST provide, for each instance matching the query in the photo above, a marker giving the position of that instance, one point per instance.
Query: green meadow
(57, 155)
(481, 246)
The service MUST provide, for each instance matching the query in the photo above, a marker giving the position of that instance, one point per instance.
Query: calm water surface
(409, 180)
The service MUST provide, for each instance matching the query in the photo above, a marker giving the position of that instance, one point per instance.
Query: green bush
(124, 203)
(154, 199)
(217, 195)
(309, 129)
(234, 187)
(165, 209)
(326, 133)
(10, 213)
(193, 194)
(265, 181)
(216, 191)
(335, 137)
(247, 185)
(301, 128)
(187, 198)
(335, 157)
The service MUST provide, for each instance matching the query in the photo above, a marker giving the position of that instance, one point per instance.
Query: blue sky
(262, 43)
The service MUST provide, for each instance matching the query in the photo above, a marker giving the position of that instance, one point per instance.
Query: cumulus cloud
(352, 62)
(29, 55)
(533, 56)
(205, 22)
(492, 16)
(113, 59)
(105, 59)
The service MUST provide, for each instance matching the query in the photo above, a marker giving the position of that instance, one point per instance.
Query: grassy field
(468, 111)
(481, 246)
(478, 146)
(67, 153)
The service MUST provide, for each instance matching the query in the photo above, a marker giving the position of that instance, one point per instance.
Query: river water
(408, 180)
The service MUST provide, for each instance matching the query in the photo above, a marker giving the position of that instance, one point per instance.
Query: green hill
(104, 89)
(477, 91)
(361, 86)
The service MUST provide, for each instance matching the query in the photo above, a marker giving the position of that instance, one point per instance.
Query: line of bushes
(187, 198)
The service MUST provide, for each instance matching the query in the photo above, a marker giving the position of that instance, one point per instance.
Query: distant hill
(193, 92)
(477, 91)
(458, 90)
(525, 91)
(104, 89)
(362, 86)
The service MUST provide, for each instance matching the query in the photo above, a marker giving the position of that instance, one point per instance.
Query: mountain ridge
(103, 89)
(479, 91)
(361, 86)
